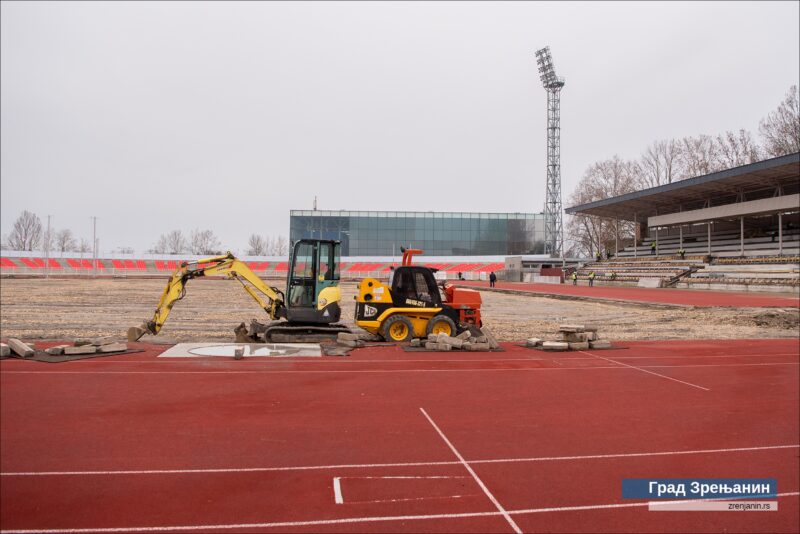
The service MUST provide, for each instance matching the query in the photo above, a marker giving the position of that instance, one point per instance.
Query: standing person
(591, 279)
(575, 277)
(652, 247)
(460, 276)
(598, 256)
(492, 279)
(682, 252)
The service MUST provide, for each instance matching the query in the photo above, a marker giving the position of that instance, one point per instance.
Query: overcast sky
(154, 116)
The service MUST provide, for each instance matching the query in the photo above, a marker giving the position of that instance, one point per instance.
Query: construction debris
(20, 348)
(55, 351)
(100, 341)
(113, 347)
(4, 350)
(573, 337)
(82, 349)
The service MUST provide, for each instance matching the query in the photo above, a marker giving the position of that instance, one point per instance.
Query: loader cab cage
(415, 284)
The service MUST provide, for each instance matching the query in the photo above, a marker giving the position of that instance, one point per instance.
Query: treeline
(667, 161)
(28, 234)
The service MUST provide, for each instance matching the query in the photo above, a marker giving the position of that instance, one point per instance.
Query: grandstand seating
(623, 272)
(722, 244)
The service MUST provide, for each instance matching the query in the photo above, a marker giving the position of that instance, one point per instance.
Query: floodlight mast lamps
(553, 236)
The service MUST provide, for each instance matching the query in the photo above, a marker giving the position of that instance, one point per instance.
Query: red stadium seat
(117, 264)
(30, 263)
(6, 263)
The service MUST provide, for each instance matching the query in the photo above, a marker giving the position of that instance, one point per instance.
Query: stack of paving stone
(573, 337)
(466, 340)
(80, 346)
(355, 340)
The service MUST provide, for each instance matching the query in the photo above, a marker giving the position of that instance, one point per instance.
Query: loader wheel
(441, 324)
(398, 328)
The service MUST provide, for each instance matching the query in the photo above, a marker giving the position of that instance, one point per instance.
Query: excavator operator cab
(312, 285)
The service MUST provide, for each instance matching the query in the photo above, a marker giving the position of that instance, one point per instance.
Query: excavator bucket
(136, 332)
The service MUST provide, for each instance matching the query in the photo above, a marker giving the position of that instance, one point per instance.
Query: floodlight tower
(553, 237)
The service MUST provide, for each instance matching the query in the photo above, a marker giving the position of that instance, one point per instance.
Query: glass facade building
(382, 233)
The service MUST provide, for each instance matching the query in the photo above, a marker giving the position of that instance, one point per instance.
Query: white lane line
(472, 472)
(337, 490)
(646, 371)
(346, 520)
(390, 371)
(398, 464)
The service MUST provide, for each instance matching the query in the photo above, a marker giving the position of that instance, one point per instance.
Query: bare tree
(65, 241)
(84, 246)
(26, 234)
(204, 242)
(281, 246)
(257, 245)
(660, 163)
(171, 243)
(699, 156)
(736, 149)
(589, 235)
(780, 130)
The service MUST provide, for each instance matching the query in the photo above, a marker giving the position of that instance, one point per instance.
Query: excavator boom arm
(269, 298)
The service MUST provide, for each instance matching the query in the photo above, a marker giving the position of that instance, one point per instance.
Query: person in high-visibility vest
(591, 279)
(682, 252)
(574, 278)
(653, 247)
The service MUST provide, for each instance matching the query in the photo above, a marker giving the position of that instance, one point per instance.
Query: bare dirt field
(64, 309)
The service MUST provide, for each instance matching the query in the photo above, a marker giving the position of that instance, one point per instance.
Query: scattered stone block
(434, 338)
(493, 344)
(582, 345)
(79, 342)
(346, 336)
(83, 349)
(576, 337)
(114, 347)
(465, 335)
(431, 345)
(354, 343)
(571, 328)
(533, 342)
(555, 345)
(466, 345)
(366, 336)
(416, 342)
(600, 344)
(443, 346)
(20, 348)
(99, 341)
(589, 327)
(452, 341)
(5, 350)
(478, 347)
(238, 353)
(481, 339)
(58, 349)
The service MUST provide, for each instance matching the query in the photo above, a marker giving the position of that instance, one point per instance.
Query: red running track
(374, 442)
(683, 297)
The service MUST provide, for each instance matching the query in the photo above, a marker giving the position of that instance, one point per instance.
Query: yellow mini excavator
(312, 286)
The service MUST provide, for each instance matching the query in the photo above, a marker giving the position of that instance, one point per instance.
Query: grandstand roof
(783, 171)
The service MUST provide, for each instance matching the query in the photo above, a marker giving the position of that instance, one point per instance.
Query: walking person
(652, 247)
(591, 279)
(682, 252)
(575, 277)
(492, 279)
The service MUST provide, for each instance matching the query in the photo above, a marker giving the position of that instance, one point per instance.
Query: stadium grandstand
(738, 229)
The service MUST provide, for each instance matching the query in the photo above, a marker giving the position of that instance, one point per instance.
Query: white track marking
(472, 472)
(649, 372)
(400, 464)
(337, 490)
(347, 520)
(390, 371)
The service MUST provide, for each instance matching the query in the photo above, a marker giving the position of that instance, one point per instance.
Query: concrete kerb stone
(82, 349)
(5, 350)
(20, 348)
(115, 347)
(56, 350)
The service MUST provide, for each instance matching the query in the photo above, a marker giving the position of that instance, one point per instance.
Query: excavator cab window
(301, 281)
(329, 257)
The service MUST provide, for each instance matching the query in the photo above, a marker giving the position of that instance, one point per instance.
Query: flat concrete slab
(228, 350)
